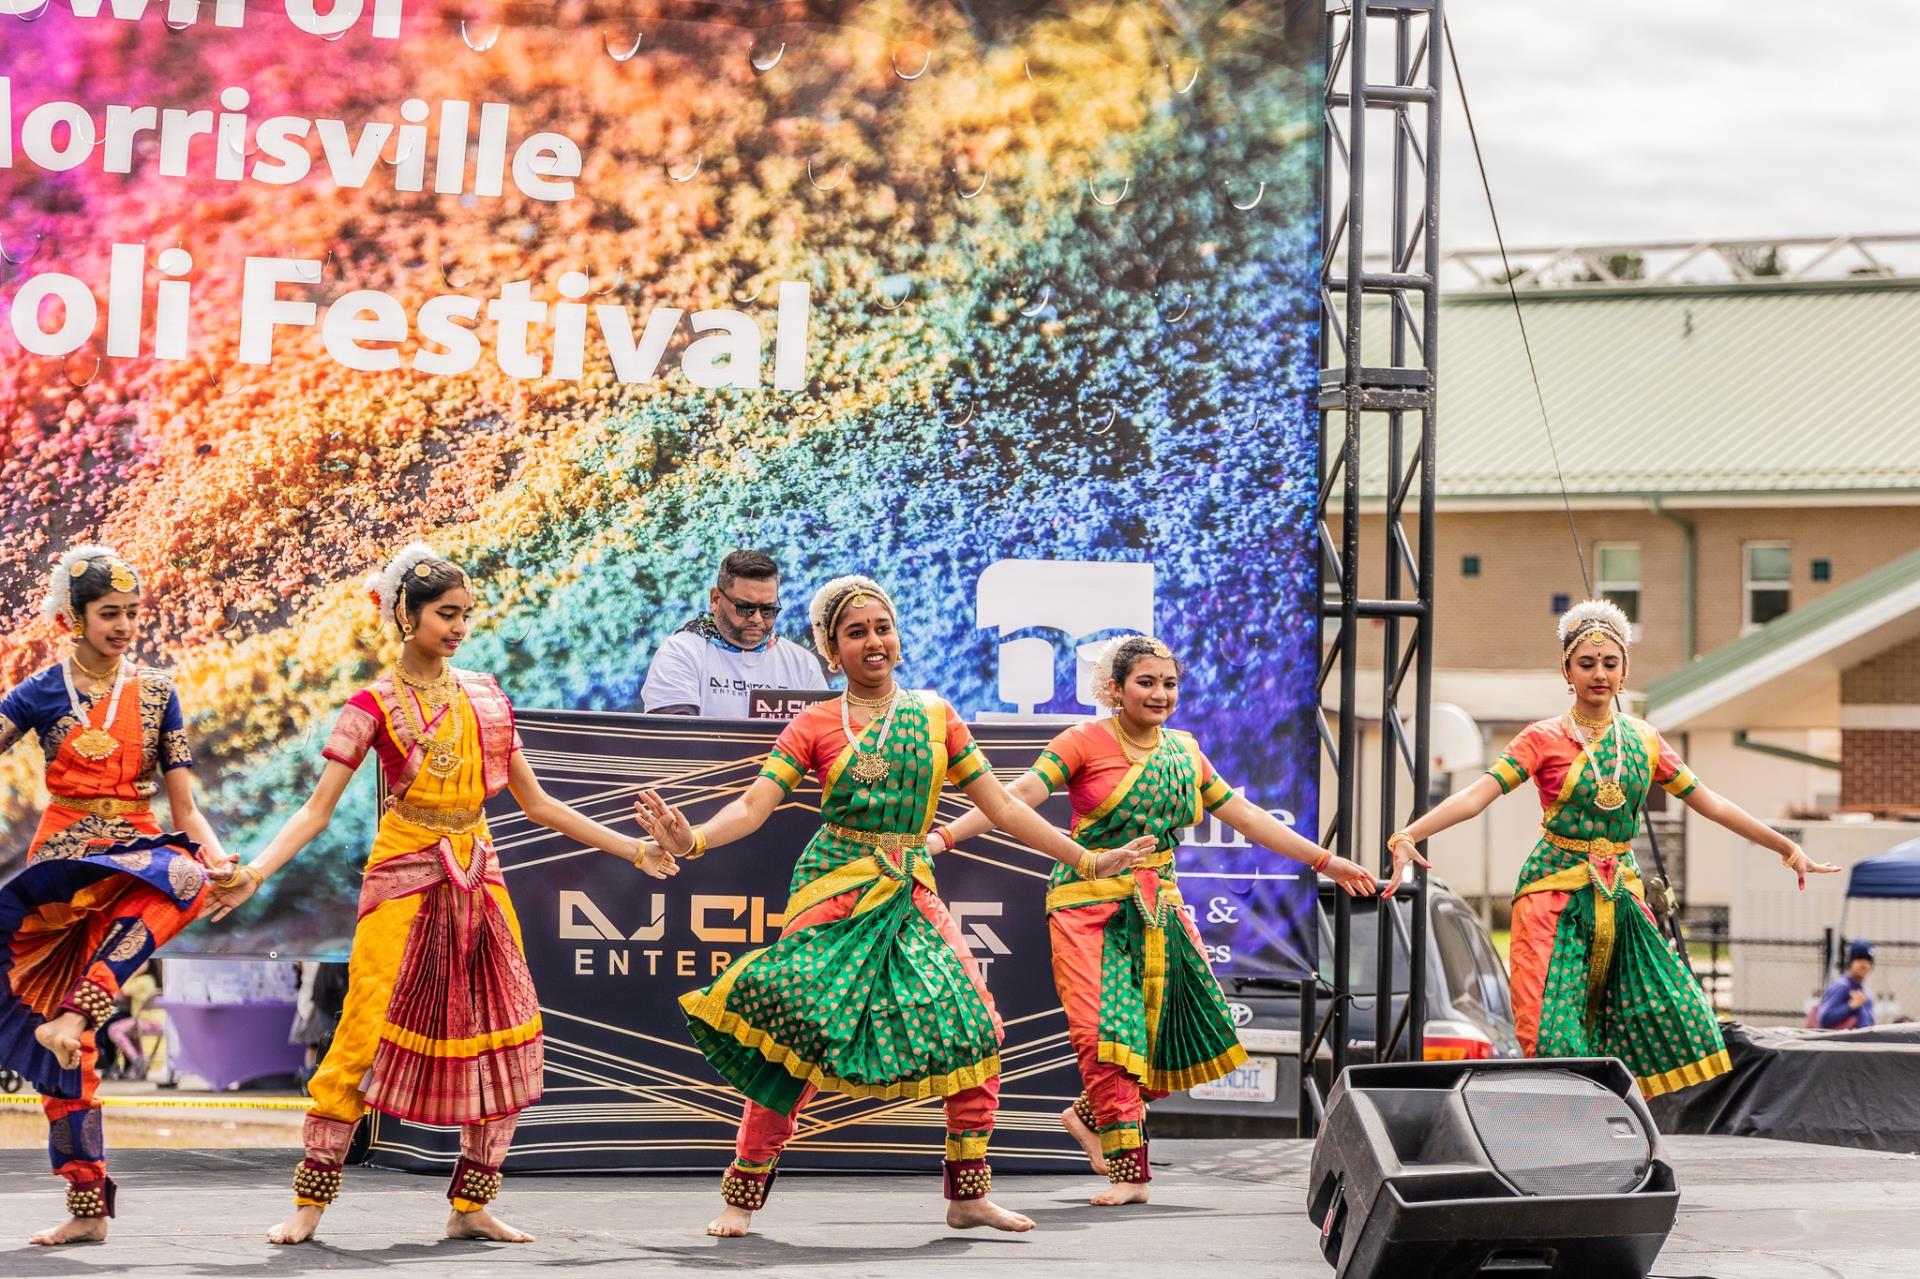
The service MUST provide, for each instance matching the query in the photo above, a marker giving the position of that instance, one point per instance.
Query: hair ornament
(58, 604)
(1593, 622)
(384, 586)
(1105, 660)
(835, 598)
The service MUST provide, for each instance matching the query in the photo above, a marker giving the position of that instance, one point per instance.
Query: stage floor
(1752, 1210)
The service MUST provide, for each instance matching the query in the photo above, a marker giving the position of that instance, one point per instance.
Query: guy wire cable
(1546, 424)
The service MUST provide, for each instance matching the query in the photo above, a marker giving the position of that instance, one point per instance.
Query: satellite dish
(1454, 740)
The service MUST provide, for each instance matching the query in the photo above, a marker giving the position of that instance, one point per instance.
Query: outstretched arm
(307, 822)
(1015, 817)
(1463, 805)
(672, 833)
(1263, 828)
(544, 810)
(1722, 811)
(1026, 788)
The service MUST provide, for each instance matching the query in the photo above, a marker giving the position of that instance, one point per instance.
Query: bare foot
(481, 1224)
(73, 1230)
(1121, 1192)
(1089, 1140)
(732, 1223)
(965, 1214)
(61, 1037)
(299, 1227)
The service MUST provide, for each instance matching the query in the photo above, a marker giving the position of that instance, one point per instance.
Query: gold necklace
(1128, 745)
(433, 693)
(873, 703)
(443, 753)
(102, 680)
(1594, 725)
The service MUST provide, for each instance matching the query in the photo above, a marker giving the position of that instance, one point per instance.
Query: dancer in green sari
(1593, 975)
(1144, 1013)
(870, 990)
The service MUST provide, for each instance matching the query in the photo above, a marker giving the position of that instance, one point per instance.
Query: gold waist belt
(448, 821)
(103, 805)
(1590, 847)
(886, 841)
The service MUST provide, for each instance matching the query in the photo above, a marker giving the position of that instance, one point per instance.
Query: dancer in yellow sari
(441, 1024)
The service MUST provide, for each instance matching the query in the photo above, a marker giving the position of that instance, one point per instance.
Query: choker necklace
(443, 753)
(435, 693)
(872, 703)
(1596, 725)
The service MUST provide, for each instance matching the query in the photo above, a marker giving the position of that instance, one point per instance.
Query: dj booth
(612, 950)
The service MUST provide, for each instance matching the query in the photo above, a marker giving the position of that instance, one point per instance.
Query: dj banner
(612, 951)
(1009, 305)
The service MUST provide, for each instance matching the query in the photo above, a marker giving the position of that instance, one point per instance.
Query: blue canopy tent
(1894, 873)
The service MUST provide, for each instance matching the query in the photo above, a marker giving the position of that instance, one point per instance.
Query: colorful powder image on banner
(588, 298)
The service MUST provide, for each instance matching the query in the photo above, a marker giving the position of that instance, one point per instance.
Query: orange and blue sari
(103, 888)
(1144, 1013)
(1593, 975)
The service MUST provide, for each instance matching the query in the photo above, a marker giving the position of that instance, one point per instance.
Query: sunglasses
(768, 611)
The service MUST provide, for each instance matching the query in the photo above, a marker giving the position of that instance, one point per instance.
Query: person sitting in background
(709, 666)
(1848, 1004)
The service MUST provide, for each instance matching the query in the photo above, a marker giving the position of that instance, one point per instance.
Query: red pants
(764, 1133)
(1079, 941)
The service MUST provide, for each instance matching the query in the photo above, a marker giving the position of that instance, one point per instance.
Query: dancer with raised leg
(441, 1025)
(1593, 975)
(103, 887)
(870, 990)
(1144, 1013)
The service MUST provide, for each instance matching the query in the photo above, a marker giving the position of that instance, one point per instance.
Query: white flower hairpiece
(830, 594)
(58, 605)
(1589, 615)
(384, 586)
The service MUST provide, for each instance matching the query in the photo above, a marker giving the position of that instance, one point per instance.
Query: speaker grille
(1555, 1133)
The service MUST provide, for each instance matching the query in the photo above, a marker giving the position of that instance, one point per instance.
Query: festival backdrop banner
(1012, 306)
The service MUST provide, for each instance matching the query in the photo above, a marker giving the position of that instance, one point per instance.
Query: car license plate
(1258, 1080)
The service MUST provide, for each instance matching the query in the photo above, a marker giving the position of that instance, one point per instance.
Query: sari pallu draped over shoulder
(869, 992)
(461, 1042)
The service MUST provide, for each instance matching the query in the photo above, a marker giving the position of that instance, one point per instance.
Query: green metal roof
(1730, 389)
(1749, 653)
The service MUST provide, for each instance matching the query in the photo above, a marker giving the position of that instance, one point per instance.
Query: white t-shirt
(691, 670)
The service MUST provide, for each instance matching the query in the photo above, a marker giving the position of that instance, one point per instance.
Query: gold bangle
(699, 847)
(1399, 835)
(259, 879)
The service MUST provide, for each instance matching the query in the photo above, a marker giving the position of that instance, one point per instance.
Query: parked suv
(1468, 1011)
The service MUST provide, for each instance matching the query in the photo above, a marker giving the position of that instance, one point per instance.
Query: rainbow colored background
(1032, 372)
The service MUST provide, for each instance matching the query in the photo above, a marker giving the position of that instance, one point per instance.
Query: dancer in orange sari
(104, 887)
(441, 1025)
(1144, 1012)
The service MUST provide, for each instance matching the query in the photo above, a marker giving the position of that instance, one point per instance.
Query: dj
(709, 665)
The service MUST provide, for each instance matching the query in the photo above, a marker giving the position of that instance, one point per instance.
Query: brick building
(1741, 461)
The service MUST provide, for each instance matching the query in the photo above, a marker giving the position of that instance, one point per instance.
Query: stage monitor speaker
(1506, 1169)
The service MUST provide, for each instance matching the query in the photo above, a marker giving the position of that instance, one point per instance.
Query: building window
(1768, 587)
(1561, 603)
(1617, 576)
(1823, 570)
(1469, 566)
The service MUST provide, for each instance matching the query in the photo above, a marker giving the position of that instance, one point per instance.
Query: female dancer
(103, 887)
(440, 1025)
(1593, 977)
(1144, 1012)
(870, 990)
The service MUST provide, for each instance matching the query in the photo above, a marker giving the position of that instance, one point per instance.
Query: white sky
(1682, 119)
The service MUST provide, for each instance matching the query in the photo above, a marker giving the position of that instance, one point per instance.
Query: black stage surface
(1752, 1209)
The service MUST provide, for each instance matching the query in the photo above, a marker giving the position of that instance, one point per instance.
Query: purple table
(228, 1044)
